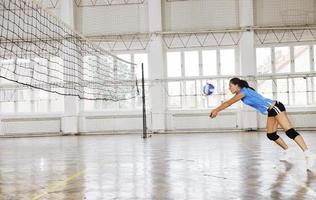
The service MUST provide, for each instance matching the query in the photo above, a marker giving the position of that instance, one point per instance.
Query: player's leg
(286, 124)
(272, 126)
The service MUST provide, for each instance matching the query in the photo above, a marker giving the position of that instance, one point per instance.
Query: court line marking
(53, 187)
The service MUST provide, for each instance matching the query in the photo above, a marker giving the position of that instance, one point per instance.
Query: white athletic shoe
(310, 161)
(284, 156)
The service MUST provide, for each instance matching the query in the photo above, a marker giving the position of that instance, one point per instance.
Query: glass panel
(310, 90)
(227, 65)
(190, 95)
(174, 91)
(291, 92)
(6, 70)
(126, 57)
(263, 57)
(314, 57)
(209, 63)
(40, 69)
(90, 66)
(227, 93)
(126, 104)
(265, 88)
(215, 98)
(56, 69)
(201, 101)
(139, 59)
(24, 103)
(57, 102)
(302, 58)
(139, 100)
(7, 107)
(300, 95)
(282, 91)
(282, 60)
(191, 63)
(41, 101)
(88, 105)
(174, 64)
(314, 89)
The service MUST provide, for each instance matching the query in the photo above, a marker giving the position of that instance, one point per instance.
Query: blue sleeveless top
(255, 100)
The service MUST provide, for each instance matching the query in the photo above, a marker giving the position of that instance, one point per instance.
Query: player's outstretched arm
(226, 104)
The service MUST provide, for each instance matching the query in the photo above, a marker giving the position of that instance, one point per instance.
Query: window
(209, 63)
(201, 99)
(56, 75)
(139, 99)
(139, 59)
(187, 94)
(94, 63)
(174, 92)
(300, 96)
(191, 63)
(314, 57)
(265, 88)
(215, 98)
(190, 94)
(282, 60)
(264, 62)
(287, 59)
(7, 100)
(123, 66)
(227, 57)
(174, 64)
(314, 88)
(282, 90)
(56, 72)
(126, 57)
(224, 90)
(40, 69)
(7, 107)
(310, 90)
(6, 70)
(56, 102)
(24, 99)
(40, 100)
(24, 102)
(302, 58)
(127, 104)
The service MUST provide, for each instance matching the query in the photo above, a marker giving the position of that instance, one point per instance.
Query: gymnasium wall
(284, 12)
(112, 19)
(200, 15)
(189, 15)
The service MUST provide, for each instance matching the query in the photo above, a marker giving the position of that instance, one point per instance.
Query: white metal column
(156, 70)
(69, 121)
(247, 116)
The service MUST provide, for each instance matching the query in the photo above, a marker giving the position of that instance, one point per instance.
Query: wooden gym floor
(219, 166)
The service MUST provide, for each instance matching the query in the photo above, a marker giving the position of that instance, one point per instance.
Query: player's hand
(213, 114)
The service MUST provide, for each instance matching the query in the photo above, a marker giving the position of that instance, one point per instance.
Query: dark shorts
(276, 109)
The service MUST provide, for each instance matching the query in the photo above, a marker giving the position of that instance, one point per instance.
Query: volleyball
(208, 89)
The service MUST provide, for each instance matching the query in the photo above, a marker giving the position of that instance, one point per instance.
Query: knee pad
(273, 136)
(291, 133)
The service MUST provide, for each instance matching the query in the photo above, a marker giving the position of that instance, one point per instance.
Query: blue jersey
(255, 100)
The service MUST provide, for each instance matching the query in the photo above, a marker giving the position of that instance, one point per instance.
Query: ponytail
(241, 83)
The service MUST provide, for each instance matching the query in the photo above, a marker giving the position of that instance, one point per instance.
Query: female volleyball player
(276, 115)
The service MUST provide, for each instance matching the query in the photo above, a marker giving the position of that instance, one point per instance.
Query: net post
(144, 104)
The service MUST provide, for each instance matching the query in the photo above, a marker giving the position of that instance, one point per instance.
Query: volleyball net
(40, 51)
